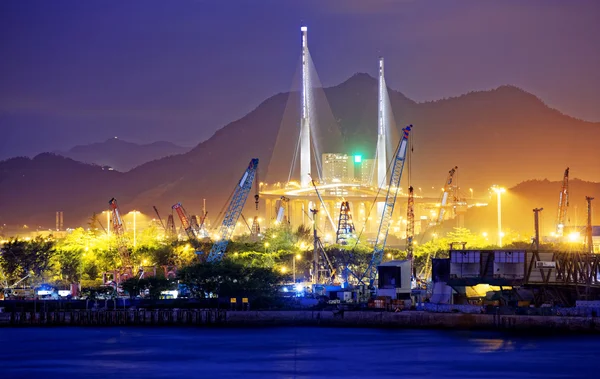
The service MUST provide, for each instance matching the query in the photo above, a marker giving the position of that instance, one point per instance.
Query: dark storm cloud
(75, 72)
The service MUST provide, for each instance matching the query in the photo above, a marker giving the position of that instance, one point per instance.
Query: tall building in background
(59, 220)
(366, 172)
(337, 168)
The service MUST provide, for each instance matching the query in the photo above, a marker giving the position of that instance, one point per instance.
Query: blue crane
(233, 213)
(388, 208)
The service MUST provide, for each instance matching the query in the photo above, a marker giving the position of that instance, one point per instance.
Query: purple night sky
(77, 72)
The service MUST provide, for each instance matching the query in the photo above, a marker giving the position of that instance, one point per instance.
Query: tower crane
(185, 221)
(447, 189)
(119, 231)
(171, 231)
(234, 211)
(345, 224)
(563, 204)
(388, 208)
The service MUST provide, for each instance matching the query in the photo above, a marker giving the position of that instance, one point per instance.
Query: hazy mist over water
(303, 352)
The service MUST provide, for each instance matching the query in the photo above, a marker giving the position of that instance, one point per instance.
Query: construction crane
(448, 188)
(345, 224)
(234, 211)
(322, 270)
(410, 223)
(388, 208)
(159, 218)
(185, 221)
(119, 231)
(323, 204)
(563, 204)
(170, 229)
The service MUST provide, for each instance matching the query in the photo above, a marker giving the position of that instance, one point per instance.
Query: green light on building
(357, 158)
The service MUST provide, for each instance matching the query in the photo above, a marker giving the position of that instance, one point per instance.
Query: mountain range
(503, 136)
(121, 155)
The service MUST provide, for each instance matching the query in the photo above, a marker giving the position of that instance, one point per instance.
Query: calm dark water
(290, 353)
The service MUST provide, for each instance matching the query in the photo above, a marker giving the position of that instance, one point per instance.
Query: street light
(499, 191)
(107, 222)
(471, 190)
(298, 257)
(134, 228)
(266, 245)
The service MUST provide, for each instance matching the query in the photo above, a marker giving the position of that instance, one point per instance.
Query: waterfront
(290, 352)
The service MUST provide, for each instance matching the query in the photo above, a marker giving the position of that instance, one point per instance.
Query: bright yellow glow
(484, 234)
(283, 270)
(498, 189)
(501, 234)
(266, 244)
(145, 262)
(298, 257)
(389, 255)
(434, 235)
(302, 246)
(574, 237)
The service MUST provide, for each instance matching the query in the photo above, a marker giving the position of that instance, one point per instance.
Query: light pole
(266, 245)
(298, 257)
(499, 191)
(134, 229)
(471, 190)
(107, 222)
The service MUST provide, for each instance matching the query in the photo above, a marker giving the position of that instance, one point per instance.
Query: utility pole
(536, 240)
(590, 244)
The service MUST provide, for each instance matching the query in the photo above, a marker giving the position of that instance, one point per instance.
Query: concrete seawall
(413, 319)
(407, 319)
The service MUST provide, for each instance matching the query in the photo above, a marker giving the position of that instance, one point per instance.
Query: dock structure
(561, 276)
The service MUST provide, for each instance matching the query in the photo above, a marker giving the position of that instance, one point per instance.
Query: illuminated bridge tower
(381, 140)
(306, 113)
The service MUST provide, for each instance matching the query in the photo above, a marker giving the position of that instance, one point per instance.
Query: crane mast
(388, 207)
(563, 204)
(447, 189)
(119, 231)
(410, 224)
(345, 224)
(185, 221)
(233, 212)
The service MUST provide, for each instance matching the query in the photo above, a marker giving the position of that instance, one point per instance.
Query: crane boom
(447, 189)
(563, 204)
(388, 208)
(323, 204)
(159, 218)
(185, 221)
(233, 212)
(119, 231)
